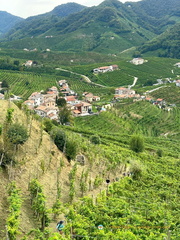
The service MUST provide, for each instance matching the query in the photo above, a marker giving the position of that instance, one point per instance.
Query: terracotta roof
(120, 96)
(70, 98)
(106, 67)
(76, 111)
(41, 107)
(159, 99)
(86, 104)
(50, 92)
(89, 95)
(120, 88)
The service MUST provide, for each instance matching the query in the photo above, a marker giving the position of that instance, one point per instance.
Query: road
(134, 82)
(86, 79)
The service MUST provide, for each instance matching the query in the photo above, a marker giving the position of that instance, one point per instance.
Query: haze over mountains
(110, 27)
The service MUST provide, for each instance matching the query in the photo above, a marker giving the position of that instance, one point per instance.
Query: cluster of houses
(45, 104)
(78, 107)
(122, 93)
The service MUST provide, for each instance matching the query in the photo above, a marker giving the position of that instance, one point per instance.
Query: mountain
(165, 45)
(156, 15)
(64, 10)
(110, 27)
(7, 21)
(41, 23)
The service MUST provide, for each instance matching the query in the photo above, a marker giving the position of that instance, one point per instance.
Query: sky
(27, 8)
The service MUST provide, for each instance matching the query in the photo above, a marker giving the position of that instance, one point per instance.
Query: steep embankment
(37, 158)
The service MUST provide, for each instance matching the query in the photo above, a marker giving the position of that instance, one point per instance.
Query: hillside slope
(165, 45)
(7, 21)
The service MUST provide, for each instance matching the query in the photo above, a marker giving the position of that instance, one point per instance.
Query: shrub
(137, 144)
(95, 139)
(47, 124)
(136, 169)
(71, 149)
(160, 152)
(17, 134)
(59, 138)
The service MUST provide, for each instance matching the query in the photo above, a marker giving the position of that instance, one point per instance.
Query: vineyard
(154, 69)
(24, 84)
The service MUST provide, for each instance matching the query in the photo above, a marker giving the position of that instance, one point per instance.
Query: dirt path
(86, 79)
(134, 82)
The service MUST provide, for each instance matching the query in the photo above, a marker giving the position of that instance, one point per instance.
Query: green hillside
(152, 70)
(7, 21)
(142, 205)
(165, 45)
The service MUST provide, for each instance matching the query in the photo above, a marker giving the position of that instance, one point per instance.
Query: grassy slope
(155, 68)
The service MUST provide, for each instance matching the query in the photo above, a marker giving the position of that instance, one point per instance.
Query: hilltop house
(177, 83)
(138, 61)
(29, 63)
(177, 64)
(105, 69)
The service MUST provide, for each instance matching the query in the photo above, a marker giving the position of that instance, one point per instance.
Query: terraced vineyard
(154, 69)
(24, 83)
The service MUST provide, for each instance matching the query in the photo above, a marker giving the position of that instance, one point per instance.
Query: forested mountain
(110, 27)
(7, 21)
(166, 45)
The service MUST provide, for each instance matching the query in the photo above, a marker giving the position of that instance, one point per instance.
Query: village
(44, 103)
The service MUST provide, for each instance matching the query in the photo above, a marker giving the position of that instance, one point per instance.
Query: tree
(4, 84)
(16, 62)
(71, 149)
(64, 115)
(61, 102)
(17, 134)
(137, 144)
(59, 138)
(48, 124)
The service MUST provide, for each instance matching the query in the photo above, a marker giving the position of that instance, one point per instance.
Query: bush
(17, 134)
(95, 139)
(136, 169)
(59, 138)
(160, 152)
(71, 149)
(47, 123)
(137, 144)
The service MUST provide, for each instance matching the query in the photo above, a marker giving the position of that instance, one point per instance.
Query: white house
(28, 63)
(37, 97)
(122, 90)
(178, 83)
(177, 64)
(105, 69)
(137, 61)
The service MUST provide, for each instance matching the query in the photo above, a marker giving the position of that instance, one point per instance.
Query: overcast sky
(26, 8)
